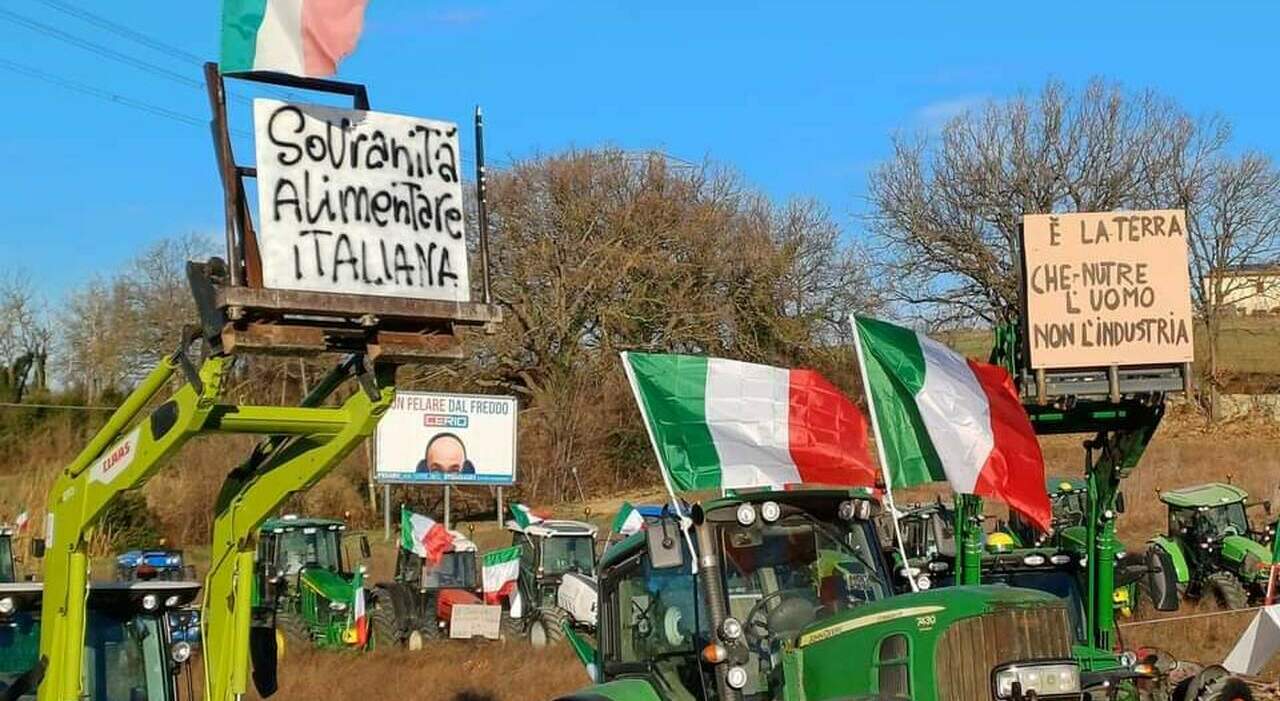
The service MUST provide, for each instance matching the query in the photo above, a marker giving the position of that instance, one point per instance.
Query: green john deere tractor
(789, 597)
(305, 583)
(1213, 547)
(557, 579)
(130, 651)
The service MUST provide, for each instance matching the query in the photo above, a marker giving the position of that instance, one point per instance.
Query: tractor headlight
(180, 651)
(938, 566)
(6, 606)
(736, 677)
(770, 511)
(1034, 560)
(923, 582)
(1060, 559)
(150, 602)
(731, 629)
(1044, 679)
(171, 601)
(337, 606)
(746, 514)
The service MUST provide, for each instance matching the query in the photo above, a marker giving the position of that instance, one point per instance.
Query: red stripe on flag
(1014, 472)
(330, 29)
(437, 541)
(493, 598)
(828, 435)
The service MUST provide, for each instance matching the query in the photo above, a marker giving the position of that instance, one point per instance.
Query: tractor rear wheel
(383, 620)
(1214, 683)
(547, 627)
(510, 628)
(292, 632)
(1228, 590)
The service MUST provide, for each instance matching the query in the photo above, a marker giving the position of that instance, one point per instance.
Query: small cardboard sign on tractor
(1107, 289)
(475, 621)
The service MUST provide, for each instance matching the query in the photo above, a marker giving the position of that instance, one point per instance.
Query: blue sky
(801, 97)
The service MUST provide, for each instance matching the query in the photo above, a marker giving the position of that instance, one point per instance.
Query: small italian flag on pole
(940, 417)
(360, 620)
(424, 536)
(301, 37)
(524, 516)
(628, 520)
(725, 424)
(501, 575)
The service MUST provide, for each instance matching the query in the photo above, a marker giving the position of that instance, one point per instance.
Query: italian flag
(360, 620)
(628, 520)
(941, 417)
(302, 37)
(524, 516)
(725, 424)
(500, 574)
(423, 536)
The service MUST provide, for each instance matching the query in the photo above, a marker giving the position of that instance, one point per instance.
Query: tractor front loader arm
(121, 456)
(306, 442)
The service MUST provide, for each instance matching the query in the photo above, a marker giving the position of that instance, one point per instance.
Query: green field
(1250, 348)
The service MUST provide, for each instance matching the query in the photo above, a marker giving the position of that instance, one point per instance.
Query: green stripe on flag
(672, 390)
(497, 557)
(406, 529)
(895, 373)
(241, 20)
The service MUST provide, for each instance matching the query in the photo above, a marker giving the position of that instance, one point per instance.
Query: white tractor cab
(130, 650)
(557, 579)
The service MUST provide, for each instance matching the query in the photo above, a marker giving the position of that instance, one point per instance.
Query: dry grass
(449, 671)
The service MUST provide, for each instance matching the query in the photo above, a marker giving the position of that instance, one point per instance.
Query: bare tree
(1233, 222)
(24, 337)
(948, 209)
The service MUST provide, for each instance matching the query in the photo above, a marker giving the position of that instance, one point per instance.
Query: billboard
(437, 438)
(1107, 288)
(358, 202)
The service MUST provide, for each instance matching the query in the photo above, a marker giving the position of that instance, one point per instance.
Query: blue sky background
(800, 97)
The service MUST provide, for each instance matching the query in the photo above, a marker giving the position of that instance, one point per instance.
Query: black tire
(383, 620)
(510, 628)
(1226, 689)
(293, 632)
(547, 626)
(1228, 591)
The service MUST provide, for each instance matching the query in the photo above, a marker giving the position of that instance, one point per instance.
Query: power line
(100, 93)
(73, 407)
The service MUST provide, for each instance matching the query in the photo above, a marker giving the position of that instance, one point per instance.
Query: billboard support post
(386, 512)
(448, 520)
(499, 506)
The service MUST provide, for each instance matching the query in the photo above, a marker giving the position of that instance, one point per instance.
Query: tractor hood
(328, 584)
(977, 627)
(1236, 548)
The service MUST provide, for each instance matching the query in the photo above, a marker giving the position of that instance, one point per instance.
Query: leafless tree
(24, 336)
(948, 209)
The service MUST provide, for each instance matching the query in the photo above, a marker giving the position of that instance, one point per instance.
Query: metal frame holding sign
(450, 439)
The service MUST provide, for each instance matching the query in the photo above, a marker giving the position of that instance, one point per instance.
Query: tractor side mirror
(1119, 502)
(364, 547)
(37, 548)
(662, 538)
(1162, 580)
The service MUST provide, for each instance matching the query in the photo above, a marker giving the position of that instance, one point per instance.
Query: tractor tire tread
(1228, 591)
(1226, 689)
(383, 619)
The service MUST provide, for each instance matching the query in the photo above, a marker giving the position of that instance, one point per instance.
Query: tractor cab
(8, 570)
(929, 540)
(1069, 499)
(155, 563)
(1213, 546)
(792, 598)
(304, 582)
(130, 649)
(557, 581)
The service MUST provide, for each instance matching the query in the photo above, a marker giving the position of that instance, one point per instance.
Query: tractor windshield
(1226, 519)
(1069, 508)
(457, 570)
(310, 547)
(799, 558)
(1060, 583)
(561, 554)
(125, 658)
(6, 560)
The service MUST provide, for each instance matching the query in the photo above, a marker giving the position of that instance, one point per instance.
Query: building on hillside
(1246, 289)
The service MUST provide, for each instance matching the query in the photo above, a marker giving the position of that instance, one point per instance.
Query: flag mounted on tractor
(942, 417)
(423, 536)
(725, 424)
(500, 576)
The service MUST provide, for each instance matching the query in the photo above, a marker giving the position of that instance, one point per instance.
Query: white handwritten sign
(475, 621)
(359, 202)
(1107, 288)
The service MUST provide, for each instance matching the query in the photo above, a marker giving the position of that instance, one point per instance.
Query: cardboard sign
(436, 438)
(475, 621)
(1107, 288)
(359, 202)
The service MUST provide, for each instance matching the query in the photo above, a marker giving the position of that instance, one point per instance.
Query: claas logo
(115, 458)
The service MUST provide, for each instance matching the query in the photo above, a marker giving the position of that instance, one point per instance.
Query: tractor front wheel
(292, 632)
(1228, 591)
(547, 627)
(383, 620)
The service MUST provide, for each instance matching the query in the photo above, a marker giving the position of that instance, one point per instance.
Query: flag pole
(884, 463)
(685, 522)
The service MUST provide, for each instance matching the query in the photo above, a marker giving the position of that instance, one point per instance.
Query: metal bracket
(364, 375)
(189, 334)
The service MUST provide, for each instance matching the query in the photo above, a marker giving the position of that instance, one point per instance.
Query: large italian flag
(941, 417)
(424, 536)
(302, 37)
(500, 577)
(724, 424)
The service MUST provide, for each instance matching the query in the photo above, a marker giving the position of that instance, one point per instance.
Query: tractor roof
(114, 593)
(552, 528)
(792, 496)
(1211, 494)
(6, 530)
(1065, 484)
(293, 523)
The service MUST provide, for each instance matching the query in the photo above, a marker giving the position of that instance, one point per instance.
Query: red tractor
(418, 605)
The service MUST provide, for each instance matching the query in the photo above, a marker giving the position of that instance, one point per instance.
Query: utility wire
(73, 407)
